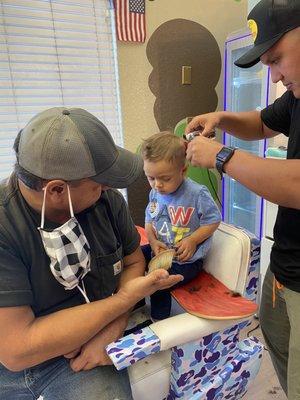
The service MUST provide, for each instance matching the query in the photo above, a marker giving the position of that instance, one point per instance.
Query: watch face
(222, 157)
(224, 153)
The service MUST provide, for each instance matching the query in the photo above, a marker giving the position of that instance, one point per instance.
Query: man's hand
(185, 249)
(73, 353)
(201, 152)
(206, 123)
(138, 288)
(92, 353)
(158, 246)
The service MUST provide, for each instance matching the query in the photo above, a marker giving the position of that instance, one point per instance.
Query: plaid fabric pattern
(69, 253)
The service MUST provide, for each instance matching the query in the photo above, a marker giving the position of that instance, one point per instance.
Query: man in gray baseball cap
(70, 263)
(73, 144)
(275, 26)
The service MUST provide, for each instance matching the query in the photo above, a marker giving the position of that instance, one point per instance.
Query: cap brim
(124, 171)
(252, 56)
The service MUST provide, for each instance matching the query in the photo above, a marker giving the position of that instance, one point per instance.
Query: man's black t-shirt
(25, 276)
(284, 116)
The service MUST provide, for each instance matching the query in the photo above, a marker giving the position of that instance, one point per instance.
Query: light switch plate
(186, 75)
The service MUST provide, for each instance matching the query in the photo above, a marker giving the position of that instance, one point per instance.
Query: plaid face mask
(68, 250)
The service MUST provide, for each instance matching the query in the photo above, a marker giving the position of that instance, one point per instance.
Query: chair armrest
(132, 348)
(163, 335)
(185, 328)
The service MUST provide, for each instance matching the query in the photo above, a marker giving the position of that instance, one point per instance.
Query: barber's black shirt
(25, 276)
(284, 116)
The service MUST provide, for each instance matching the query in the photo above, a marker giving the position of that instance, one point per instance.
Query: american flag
(130, 20)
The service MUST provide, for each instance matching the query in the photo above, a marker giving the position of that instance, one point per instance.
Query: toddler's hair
(164, 146)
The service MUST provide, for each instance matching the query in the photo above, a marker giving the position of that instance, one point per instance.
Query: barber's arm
(243, 125)
(276, 180)
(26, 341)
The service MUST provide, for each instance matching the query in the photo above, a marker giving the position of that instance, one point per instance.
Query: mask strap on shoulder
(83, 291)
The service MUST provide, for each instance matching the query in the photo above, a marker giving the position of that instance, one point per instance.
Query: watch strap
(222, 157)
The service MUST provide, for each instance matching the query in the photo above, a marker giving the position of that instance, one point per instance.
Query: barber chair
(191, 358)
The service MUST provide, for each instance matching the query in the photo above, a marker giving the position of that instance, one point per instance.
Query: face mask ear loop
(70, 202)
(83, 292)
(43, 207)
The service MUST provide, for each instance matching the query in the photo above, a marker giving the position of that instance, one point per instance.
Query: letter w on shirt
(180, 215)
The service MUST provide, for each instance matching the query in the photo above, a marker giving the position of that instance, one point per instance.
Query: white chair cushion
(229, 257)
(184, 328)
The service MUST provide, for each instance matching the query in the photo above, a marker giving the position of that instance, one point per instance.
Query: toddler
(181, 213)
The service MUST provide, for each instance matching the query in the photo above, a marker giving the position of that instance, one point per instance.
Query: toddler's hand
(185, 249)
(158, 246)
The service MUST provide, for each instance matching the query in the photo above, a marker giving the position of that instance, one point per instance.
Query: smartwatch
(222, 157)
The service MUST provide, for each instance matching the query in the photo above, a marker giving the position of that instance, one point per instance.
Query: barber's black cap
(269, 21)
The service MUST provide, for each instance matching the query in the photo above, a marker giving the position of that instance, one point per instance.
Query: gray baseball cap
(72, 144)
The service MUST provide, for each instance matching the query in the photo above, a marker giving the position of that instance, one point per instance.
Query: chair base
(231, 382)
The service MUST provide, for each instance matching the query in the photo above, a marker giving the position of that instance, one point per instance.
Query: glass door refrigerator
(244, 90)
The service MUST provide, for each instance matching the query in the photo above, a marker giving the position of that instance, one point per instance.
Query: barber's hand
(206, 123)
(158, 246)
(93, 352)
(185, 249)
(201, 152)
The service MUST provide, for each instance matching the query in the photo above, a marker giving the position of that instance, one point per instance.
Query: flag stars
(137, 6)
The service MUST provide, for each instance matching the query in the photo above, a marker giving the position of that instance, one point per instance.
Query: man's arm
(276, 180)
(26, 341)
(243, 125)
(134, 266)
(92, 353)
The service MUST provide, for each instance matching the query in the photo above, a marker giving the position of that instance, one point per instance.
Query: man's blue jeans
(55, 380)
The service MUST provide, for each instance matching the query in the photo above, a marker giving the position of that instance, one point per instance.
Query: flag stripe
(137, 27)
(132, 26)
(130, 20)
(128, 17)
(118, 25)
